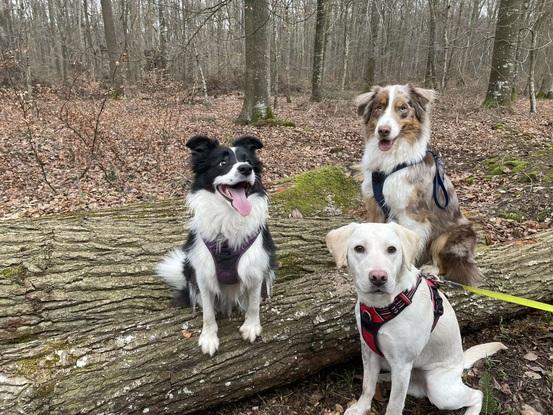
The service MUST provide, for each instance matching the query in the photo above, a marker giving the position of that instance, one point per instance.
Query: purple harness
(226, 258)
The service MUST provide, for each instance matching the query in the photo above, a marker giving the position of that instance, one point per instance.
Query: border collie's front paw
(250, 331)
(209, 342)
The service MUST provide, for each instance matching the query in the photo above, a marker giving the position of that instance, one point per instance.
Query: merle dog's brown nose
(245, 169)
(384, 131)
(378, 278)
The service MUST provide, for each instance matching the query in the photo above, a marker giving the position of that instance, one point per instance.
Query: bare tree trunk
(86, 328)
(446, 47)
(430, 76)
(503, 57)
(346, 47)
(318, 52)
(111, 44)
(532, 72)
(373, 46)
(202, 77)
(162, 36)
(90, 50)
(256, 104)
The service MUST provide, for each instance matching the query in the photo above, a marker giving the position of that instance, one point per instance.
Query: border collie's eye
(391, 250)
(222, 163)
(359, 249)
(403, 108)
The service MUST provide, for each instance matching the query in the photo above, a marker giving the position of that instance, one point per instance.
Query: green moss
(324, 190)
(45, 360)
(271, 122)
(12, 272)
(543, 215)
(511, 215)
(497, 167)
(45, 390)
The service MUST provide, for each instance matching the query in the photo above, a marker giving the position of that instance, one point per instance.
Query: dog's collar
(378, 179)
(372, 319)
(226, 258)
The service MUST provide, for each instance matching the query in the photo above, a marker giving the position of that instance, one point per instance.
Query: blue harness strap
(378, 179)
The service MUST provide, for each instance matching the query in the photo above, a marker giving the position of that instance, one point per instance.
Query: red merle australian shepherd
(404, 180)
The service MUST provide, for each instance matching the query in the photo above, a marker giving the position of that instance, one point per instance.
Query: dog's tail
(171, 269)
(456, 255)
(480, 351)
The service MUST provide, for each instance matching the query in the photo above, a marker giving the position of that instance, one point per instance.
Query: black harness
(226, 258)
(378, 179)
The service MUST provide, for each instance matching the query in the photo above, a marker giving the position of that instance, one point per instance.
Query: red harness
(373, 318)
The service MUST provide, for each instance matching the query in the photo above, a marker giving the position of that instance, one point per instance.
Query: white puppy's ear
(409, 244)
(337, 243)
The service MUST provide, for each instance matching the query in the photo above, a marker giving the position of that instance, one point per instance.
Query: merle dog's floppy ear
(364, 103)
(409, 244)
(421, 100)
(337, 243)
(200, 144)
(249, 141)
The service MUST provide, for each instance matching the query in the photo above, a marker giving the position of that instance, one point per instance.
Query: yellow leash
(503, 297)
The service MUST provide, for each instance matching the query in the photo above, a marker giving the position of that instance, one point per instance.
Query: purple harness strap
(226, 258)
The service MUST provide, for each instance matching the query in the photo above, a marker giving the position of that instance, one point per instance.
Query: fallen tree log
(85, 327)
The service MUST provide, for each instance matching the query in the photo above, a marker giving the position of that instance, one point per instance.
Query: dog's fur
(396, 124)
(422, 362)
(190, 270)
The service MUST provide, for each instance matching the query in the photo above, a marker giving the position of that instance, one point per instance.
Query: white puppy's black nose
(378, 278)
(245, 169)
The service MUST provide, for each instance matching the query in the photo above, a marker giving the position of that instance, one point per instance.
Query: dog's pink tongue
(239, 201)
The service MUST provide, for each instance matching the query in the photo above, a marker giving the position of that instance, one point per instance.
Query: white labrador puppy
(424, 360)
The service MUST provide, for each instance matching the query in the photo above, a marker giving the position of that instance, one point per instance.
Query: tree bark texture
(318, 52)
(256, 98)
(111, 43)
(503, 57)
(430, 76)
(373, 47)
(86, 327)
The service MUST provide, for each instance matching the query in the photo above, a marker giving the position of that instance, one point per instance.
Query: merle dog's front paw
(250, 331)
(209, 342)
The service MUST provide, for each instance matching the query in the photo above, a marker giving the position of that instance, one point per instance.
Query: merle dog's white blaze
(215, 216)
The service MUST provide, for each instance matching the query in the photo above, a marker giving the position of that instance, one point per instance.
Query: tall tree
(256, 104)
(503, 56)
(430, 76)
(111, 43)
(373, 44)
(318, 51)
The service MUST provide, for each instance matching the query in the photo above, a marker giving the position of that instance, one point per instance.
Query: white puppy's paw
(354, 410)
(209, 342)
(250, 330)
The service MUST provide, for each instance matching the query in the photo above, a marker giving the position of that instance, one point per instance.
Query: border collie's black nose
(245, 169)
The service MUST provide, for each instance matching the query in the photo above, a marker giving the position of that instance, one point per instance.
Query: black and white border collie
(229, 257)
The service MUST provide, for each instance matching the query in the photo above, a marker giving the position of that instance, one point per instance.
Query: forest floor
(62, 152)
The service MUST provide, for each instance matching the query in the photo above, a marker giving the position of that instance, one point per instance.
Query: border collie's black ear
(421, 100)
(364, 103)
(250, 142)
(200, 144)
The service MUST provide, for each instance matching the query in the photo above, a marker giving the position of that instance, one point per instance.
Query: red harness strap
(373, 318)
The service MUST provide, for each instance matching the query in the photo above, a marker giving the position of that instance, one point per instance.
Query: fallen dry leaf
(528, 410)
(531, 356)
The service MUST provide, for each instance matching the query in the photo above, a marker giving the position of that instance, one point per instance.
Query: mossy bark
(85, 327)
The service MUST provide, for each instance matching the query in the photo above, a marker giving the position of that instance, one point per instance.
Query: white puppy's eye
(222, 163)
(391, 249)
(359, 249)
